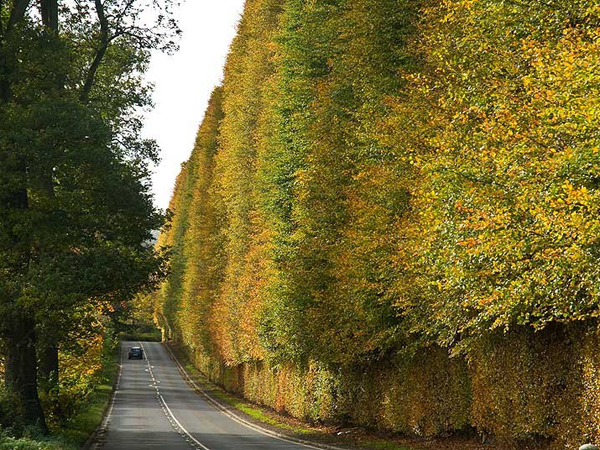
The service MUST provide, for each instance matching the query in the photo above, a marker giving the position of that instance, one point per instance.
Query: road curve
(154, 408)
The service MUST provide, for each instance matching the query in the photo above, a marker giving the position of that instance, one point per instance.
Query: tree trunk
(44, 186)
(17, 12)
(48, 368)
(19, 337)
(21, 370)
(49, 11)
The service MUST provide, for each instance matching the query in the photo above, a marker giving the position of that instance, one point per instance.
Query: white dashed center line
(194, 443)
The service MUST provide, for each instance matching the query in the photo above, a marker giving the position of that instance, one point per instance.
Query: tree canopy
(75, 204)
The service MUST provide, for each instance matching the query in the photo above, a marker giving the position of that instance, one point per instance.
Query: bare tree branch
(17, 13)
(104, 43)
(1, 24)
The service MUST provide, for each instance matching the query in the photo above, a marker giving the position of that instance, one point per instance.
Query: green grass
(33, 443)
(262, 416)
(256, 413)
(238, 403)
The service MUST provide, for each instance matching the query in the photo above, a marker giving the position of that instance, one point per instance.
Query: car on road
(136, 353)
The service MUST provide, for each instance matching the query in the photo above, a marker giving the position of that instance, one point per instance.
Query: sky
(183, 83)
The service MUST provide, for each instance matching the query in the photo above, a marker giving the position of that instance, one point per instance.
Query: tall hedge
(390, 217)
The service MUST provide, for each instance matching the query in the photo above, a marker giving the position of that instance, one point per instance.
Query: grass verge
(257, 413)
(285, 425)
(254, 412)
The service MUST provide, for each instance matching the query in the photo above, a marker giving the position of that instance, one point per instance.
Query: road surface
(154, 408)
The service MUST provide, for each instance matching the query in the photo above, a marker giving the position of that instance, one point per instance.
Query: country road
(155, 408)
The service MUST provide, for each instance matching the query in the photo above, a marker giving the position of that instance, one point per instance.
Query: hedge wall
(391, 217)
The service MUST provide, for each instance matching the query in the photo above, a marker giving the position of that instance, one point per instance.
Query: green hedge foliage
(390, 217)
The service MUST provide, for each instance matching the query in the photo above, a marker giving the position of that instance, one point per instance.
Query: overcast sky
(184, 82)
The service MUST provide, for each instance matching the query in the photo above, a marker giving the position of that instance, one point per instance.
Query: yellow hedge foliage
(515, 387)
(390, 217)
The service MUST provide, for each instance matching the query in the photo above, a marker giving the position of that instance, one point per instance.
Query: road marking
(104, 425)
(203, 447)
(240, 420)
(195, 443)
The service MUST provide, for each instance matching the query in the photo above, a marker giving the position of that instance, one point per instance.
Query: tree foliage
(76, 212)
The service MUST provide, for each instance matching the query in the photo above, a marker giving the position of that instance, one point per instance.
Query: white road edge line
(181, 426)
(242, 421)
(104, 425)
(167, 409)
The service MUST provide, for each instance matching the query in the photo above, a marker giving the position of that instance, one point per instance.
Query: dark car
(136, 353)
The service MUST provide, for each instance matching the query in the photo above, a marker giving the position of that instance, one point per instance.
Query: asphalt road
(154, 408)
